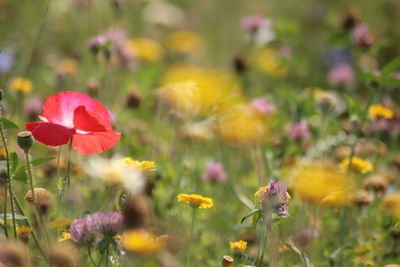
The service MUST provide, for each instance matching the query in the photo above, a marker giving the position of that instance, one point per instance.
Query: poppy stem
(68, 175)
(8, 181)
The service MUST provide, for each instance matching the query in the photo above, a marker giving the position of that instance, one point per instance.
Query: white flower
(115, 171)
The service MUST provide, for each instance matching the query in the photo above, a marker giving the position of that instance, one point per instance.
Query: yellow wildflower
(145, 49)
(21, 85)
(184, 42)
(270, 61)
(321, 183)
(64, 237)
(238, 247)
(242, 125)
(391, 205)
(378, 111)
(198, 91)
(196, 201)
(140, 165)
(357, 164)
(142, 243)
(3, 154)
(23, 230)
(61, 223)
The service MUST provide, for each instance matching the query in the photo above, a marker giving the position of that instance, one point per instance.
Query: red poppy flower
(75, 115)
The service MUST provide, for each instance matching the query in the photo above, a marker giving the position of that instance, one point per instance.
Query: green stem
(3, 138)
(35, 238)
(5, 209)
(191, 237)
(69, 164)
(90, 256)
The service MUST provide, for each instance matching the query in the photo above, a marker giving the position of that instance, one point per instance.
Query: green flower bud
(25, 140)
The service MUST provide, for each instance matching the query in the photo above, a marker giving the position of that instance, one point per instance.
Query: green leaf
(389, 81)
(7, 124)
(368, 77)
(20, 174)
(14, 162)
(249, 215)
(392, 66)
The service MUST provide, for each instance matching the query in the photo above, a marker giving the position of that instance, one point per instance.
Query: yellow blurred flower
(242, 125)
(61, 223)
(145, 49)
(270, 61)
(142, 243)
(391, 205)
(144, 166)
(64, 237)
(238, 247)
(184, 42)
(3, 155)
(321, 183)
(378, 111)
(21, 85)
(357, 164)
(196, 201)
(67, 67)
(21, 230)
(194, 90)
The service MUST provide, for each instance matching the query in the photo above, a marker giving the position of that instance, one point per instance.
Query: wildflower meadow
(178, 133)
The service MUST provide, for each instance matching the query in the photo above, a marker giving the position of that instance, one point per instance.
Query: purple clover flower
(84, 230)
(214, 172)
(299, 131)
(275, 199)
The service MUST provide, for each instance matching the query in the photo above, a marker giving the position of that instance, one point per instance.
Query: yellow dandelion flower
(321, 183)
(144, 166)
(184, 42)
(198, 91)
(21, 230)
(242, 125)
(142, 243)
(238, 247)
(21, 85)
(357, 164)
(145, 49)
(61, 223)
(196, 201)
(391, 205)
(64, 237)
(378, 111)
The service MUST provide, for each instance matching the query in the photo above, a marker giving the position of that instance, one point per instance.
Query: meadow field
(181, 133)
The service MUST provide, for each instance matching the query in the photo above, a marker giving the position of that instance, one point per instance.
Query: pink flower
(299, 131)
(214, 172)
(77, 117)
(362, 36)
(263, 106)
(254, 22)
(341, 74)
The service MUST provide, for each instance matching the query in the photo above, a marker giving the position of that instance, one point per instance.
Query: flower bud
(1, 94)
(25, 140)
(61, 255)
(362, 198)
(227, 261)
(43, 199)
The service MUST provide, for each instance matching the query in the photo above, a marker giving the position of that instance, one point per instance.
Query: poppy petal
(87, 122)
(59, 108)
(95, 142)
(50, 134)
